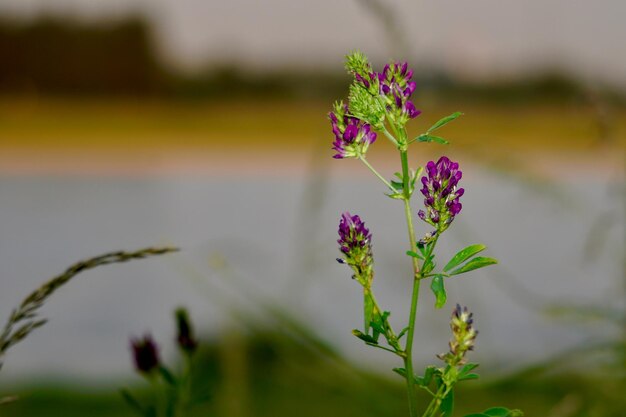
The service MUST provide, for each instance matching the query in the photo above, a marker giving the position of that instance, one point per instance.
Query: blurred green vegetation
(270, 374)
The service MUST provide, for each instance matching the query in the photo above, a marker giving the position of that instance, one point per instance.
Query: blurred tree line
(64, 57)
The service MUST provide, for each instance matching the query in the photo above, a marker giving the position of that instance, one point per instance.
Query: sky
(478, 39)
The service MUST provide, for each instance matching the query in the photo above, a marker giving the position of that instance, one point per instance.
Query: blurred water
(284, 249)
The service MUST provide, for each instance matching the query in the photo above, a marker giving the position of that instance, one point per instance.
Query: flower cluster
(355, 243)
(145, 354)
(441, 193)
(374, 97)
(396, 87)
(352, 136)
(464, 336)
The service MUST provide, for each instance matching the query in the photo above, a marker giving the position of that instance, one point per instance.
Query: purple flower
(441, 192)
(145, 354)
(396, 86)
(355, 244)
(352, 136)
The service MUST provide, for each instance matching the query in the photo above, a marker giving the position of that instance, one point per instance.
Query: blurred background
(202, 124)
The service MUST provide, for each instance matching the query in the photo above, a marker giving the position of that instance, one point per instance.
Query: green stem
(391, 337)
(408, 360)
(184, 388)
(390, 136)
(380, 177)
(435, 402)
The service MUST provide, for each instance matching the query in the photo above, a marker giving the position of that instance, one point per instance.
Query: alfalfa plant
(380, 102)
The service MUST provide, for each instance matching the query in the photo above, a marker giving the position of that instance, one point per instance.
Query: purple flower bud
(404, 68)
(352, 136)
(396, 85)
(185, 338)
(355, 243)
(145, 354)
(464, 336)
(441, 192)
(362, 80)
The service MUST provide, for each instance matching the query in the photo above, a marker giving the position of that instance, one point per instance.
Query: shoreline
(275, 163)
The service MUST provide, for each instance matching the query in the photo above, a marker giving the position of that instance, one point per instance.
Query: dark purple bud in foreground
(441, 193)
(185, 338)
(145, 354)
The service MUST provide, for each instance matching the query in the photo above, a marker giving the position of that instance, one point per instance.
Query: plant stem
(435, 402)
(408, 360)
(390, 335)
(380, 177)
(390, 136)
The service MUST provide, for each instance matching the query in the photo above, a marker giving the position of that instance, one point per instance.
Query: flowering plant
(173, 393)
(380, 103)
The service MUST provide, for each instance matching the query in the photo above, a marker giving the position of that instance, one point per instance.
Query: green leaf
(463, 255)
(468, 368)
(414, 255)
(465, 372)
(438, 289)
(398, 186)
(364, 337)
(396, 196)
(447, 405)
(431, 138)
(502, 412)
(400, 371)
(444, 121)
(377, 327)
(476, 263)
(425, 380)
(403, 332)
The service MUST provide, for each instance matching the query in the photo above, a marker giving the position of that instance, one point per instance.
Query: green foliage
(439, 290)
(444, 121)
(476, 263)
(465, 372)
(463, 255)
(447, 405)
(431, 138)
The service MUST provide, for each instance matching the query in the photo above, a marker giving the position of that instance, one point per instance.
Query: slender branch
(384, 348)
(434, 403)
(380, 177)
(391, 337)
(390, 136)
(408, 360)
(25, 315)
